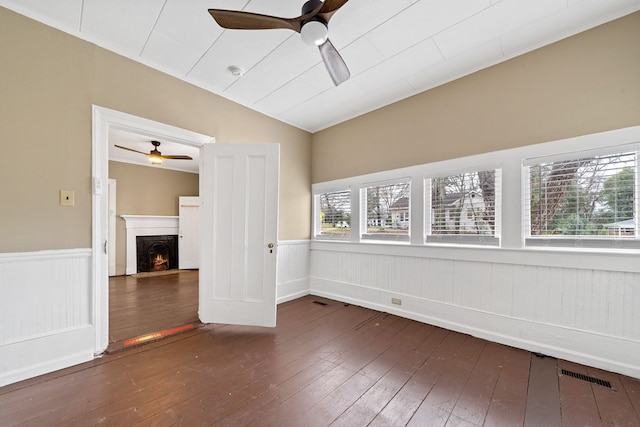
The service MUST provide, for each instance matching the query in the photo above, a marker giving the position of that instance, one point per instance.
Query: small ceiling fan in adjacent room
(312, 26)
(155, 156)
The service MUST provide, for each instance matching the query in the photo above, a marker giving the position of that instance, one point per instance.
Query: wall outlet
(67, 198)
(396, 301)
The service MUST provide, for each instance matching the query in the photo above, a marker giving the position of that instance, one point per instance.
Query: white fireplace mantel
(146, 225)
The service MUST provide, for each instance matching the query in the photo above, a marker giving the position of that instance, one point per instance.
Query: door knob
(270, 245)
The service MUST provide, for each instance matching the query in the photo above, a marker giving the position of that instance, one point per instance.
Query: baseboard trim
(593, 349)
(291, 297)
(292, 289)
(38, 356)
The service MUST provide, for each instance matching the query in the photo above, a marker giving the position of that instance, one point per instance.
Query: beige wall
(48, 82)
(581, 85)
(143, 190)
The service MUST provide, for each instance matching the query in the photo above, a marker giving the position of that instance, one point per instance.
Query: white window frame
(317, 209)
(375, 237)
(464, 239)
(510, 213)
(579, 241)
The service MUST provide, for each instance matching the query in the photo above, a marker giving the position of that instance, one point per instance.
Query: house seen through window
(387, 211)
(463, 207)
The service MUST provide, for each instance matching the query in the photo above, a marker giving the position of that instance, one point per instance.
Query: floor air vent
(587, 378)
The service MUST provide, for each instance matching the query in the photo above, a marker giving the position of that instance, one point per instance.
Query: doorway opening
(148, 294)
(238, 283)
(146, 302)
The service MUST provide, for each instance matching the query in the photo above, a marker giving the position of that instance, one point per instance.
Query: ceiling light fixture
(314, 33)
(155, 159)
(236, 71)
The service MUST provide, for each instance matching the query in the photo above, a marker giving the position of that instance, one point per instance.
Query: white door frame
(105, 119)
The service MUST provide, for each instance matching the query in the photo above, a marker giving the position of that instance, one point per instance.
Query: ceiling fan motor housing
(155, 151)
(310, 6)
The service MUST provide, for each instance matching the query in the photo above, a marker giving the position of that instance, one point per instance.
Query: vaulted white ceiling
(394, 48)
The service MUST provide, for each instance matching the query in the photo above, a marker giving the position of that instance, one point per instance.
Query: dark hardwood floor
(326, 363)
(147, 303)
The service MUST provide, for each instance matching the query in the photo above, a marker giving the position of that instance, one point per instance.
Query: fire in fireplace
(158, 257)
(156, 253)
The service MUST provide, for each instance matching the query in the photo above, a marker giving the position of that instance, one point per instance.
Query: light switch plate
(67, 198)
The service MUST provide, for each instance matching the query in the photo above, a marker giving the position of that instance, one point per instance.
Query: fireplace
(146, 225)
(156, 253)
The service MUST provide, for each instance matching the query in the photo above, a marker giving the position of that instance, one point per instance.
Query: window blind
(464, 208)
(387, 208)
(586, 200)
(335, 214)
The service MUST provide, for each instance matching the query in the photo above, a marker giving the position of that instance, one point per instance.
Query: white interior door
(111, 242)
(189, 233)
(239, 229)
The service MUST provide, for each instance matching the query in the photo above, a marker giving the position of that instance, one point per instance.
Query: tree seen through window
(592, 196)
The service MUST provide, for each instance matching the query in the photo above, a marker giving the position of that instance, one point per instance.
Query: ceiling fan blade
(238, 20)
(335, 64)
(131, 149)
(329, 7)
(176, 157)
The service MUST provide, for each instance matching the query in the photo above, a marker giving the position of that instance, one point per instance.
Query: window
(334, 215)
(581, 192)
(387, 211)
(588, 200)
(463, 207)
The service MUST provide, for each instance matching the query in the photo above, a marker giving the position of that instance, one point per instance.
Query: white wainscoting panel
(45, 312)
(293, 270)
(584, 314)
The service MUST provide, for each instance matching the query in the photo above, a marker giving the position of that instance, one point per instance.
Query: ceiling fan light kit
(155, 156)
(314, 33)
(313, 26)
(155, 160)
